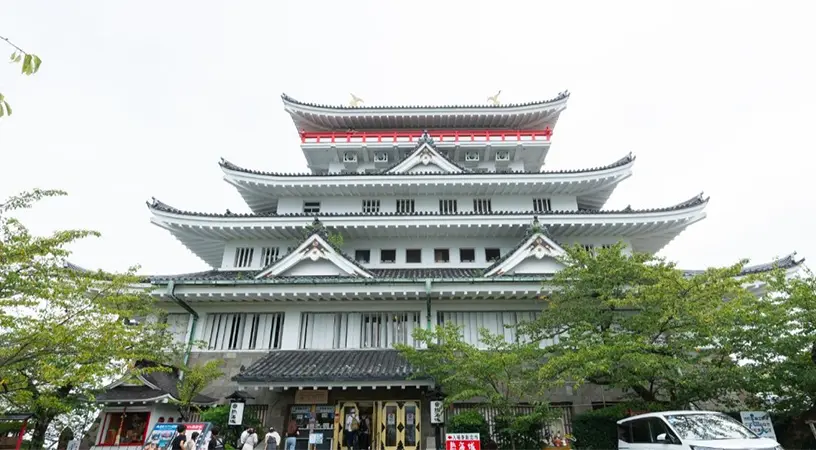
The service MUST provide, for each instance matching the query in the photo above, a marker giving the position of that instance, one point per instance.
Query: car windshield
(706, 427)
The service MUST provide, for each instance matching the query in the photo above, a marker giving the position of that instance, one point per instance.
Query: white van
(688, 430)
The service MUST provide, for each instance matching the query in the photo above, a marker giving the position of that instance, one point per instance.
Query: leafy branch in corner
(30, 65)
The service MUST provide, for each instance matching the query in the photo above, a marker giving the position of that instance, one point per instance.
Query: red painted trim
(22, 433)
(440, 135)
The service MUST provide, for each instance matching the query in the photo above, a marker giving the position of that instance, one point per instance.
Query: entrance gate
(395, 425)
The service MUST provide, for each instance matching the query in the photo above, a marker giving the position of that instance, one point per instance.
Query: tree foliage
(500, 375)
(193, 382)
(637, 323)
(29, 65)
(64, 332)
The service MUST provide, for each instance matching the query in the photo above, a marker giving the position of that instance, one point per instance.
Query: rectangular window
(371, 206)
(467, 255)
(447, 206)
(502, 323)
(589, 248)
(243, 331)
(122, 428)
(406, 206)
(441, 255)
(177, 326)
(388, 256)
(482, 206)
(542, 205)
(269, 255)
(492, 254)
(413, 255)
(362, 256)
(243, 257)
(311, 207)
(357, 329)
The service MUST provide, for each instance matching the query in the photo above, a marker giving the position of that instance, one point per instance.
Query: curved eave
(593, 187)
(648, 230)
(526, 116)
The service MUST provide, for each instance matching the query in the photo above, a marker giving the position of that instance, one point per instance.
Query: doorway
(367, 434)
(399, 425)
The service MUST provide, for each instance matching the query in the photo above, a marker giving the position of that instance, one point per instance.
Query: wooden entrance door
(399, 425)
(340, 412)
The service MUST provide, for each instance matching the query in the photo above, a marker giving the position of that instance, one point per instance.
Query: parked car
(688, 430)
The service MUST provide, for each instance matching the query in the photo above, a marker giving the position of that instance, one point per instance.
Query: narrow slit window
(542, 205)
(243, 257)
(482, 206)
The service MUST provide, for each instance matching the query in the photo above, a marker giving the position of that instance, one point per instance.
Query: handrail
(411, 136)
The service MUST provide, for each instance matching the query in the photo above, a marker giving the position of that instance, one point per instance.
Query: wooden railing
(411, 136)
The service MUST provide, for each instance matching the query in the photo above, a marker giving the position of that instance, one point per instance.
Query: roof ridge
(561, 96)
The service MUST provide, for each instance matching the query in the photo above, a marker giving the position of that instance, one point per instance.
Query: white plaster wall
(308, 267)
(532, 265)
(401, 244)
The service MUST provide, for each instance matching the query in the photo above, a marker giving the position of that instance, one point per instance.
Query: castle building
(408, 217)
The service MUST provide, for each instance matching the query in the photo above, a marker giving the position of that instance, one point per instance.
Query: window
(177, 326)
(503, 155)
(349, 157)
(589, 248)
(405, 206)
(467, 255)
(381, 157)
(371, 206)
(482, 205)
(243, 256)
(441, 255)
(388, 256)
(124, 428)
(362, 256)
(243, 331)
(492, 254)
(269, 255)
(357, 329)
(502, 323)
(311, 207)
(708, 427)
(413, 255)
(542, 205)
(472, 156)
(447, 206)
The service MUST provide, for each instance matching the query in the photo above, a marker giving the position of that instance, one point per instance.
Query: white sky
(141, 98)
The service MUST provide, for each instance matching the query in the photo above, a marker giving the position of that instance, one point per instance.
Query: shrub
(598, 429)
(470, 421)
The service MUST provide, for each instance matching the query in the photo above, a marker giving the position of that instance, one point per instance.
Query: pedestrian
(181, 438)
(191, 444)
(251, 440)
(272, 439)
(292, 433)
(216, 443)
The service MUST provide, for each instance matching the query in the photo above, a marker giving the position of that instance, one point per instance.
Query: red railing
(320, 137)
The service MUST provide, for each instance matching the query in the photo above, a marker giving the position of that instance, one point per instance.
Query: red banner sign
(462, 441)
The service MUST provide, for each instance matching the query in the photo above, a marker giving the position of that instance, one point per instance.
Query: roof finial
(317, 224)
(494, 99)
(355, 101)
(425, 138)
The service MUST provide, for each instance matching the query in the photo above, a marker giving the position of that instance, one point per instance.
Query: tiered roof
(522, 116)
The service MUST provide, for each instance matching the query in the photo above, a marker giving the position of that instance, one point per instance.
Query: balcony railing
(332, 137)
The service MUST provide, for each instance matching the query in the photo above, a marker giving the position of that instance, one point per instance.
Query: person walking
(292, 433)
(251, 440)
(272, 439)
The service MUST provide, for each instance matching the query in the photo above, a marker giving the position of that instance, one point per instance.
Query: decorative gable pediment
(426, 158)
(537, 254)
(314, 257)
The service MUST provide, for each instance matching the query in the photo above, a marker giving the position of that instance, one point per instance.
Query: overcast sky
(141, 98)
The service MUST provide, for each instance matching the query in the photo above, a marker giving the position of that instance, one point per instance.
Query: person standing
(181, 438)
(272, 439)
(251, 440)
(351, 429)
(216, 443)
(292, 433)
(191, 444)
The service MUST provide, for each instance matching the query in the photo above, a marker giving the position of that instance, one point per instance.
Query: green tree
(64, 332)
(500, 376)
(193, 382)
(637, 323)
(29, 64)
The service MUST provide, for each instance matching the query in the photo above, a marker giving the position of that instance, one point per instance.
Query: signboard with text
(462, 441)
(759, 422)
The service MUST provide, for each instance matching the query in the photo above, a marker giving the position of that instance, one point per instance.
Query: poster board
(759, 422)
(163, 434)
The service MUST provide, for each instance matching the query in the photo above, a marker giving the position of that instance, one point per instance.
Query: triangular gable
(318, 257)
(538, 253)
(425, 159)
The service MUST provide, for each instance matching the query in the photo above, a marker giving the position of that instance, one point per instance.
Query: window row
(357, 329)
(414, 255)
(501, 323)
(470, 156)
(446, 206)
(244, 256)
(243, 331)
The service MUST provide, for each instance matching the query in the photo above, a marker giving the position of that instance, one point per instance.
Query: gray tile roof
(166, 380)
(129, 394)
(690, 203)
(282, 366)
(561, 96)
(621, 162)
